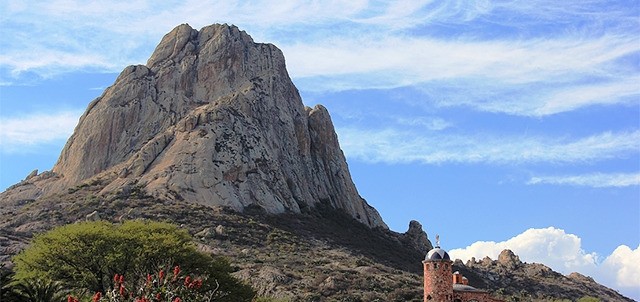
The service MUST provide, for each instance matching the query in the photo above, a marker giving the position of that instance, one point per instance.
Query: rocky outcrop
(212, 118)
(532, 281)
(508, 259)
(416, 238)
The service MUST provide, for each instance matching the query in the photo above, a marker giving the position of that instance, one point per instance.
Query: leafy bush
(86, 256)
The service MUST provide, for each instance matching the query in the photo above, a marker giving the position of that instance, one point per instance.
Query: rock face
(212, 118)
(417, 238)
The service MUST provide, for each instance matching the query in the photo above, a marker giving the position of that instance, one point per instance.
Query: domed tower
(438, 284)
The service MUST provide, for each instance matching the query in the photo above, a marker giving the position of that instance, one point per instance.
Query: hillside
(319, 255)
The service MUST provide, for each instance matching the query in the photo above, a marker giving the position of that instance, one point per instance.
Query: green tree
(86, 256)
(588, 299)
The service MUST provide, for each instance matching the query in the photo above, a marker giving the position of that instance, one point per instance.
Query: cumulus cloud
(550, 246)
(563, 252)
(19, 134)
(395, 146)
(623, 266)
(596, 180)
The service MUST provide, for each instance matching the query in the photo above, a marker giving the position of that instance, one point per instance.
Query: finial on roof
(437, 240)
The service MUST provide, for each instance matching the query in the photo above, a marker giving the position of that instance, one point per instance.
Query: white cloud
(433, 123)
(421, 59)
(452, 73)
(52, 60)
(24, 133)
(393, 146)
(534, 99)
(596, 180)
(576, 96)
(550, 246)
(563, 252)
(623, 265)
(340, 44)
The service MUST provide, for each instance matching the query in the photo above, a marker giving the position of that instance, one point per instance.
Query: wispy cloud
(549, 66)
(421, 59)
(23, 134)
(393, 146)
(46, 62)
(564, 252)
(433, 123)
(536, 99)
(596, 180)
(521, 77)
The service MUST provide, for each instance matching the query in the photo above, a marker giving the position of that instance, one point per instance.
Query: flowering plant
(157, 287)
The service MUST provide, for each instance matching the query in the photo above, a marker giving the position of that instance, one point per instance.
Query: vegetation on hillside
(86, 258)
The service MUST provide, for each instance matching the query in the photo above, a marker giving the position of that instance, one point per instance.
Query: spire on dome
(437, 253)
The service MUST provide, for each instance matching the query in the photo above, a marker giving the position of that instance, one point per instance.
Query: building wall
(473, 296)
(438, 284)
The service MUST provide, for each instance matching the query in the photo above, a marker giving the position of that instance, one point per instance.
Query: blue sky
(497, 124)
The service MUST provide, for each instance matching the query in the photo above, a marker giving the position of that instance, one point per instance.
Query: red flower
(116, 278)
(122, 290)
(149, 279)
(198, 283)
(161, 274)
(71, 299)
(177, 299)
(187, 280)
(97, 297)
(158, 297)
(176, 270)
(121, 280)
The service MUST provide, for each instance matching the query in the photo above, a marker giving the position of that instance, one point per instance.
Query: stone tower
(438, 283)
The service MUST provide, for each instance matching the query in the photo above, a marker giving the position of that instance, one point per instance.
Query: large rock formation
(212, 118)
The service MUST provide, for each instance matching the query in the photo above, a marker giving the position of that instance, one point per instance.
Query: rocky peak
(508, 259)
(189, 68)
(212, 118)
(417, 238)
(180, 42)
(580, 277)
